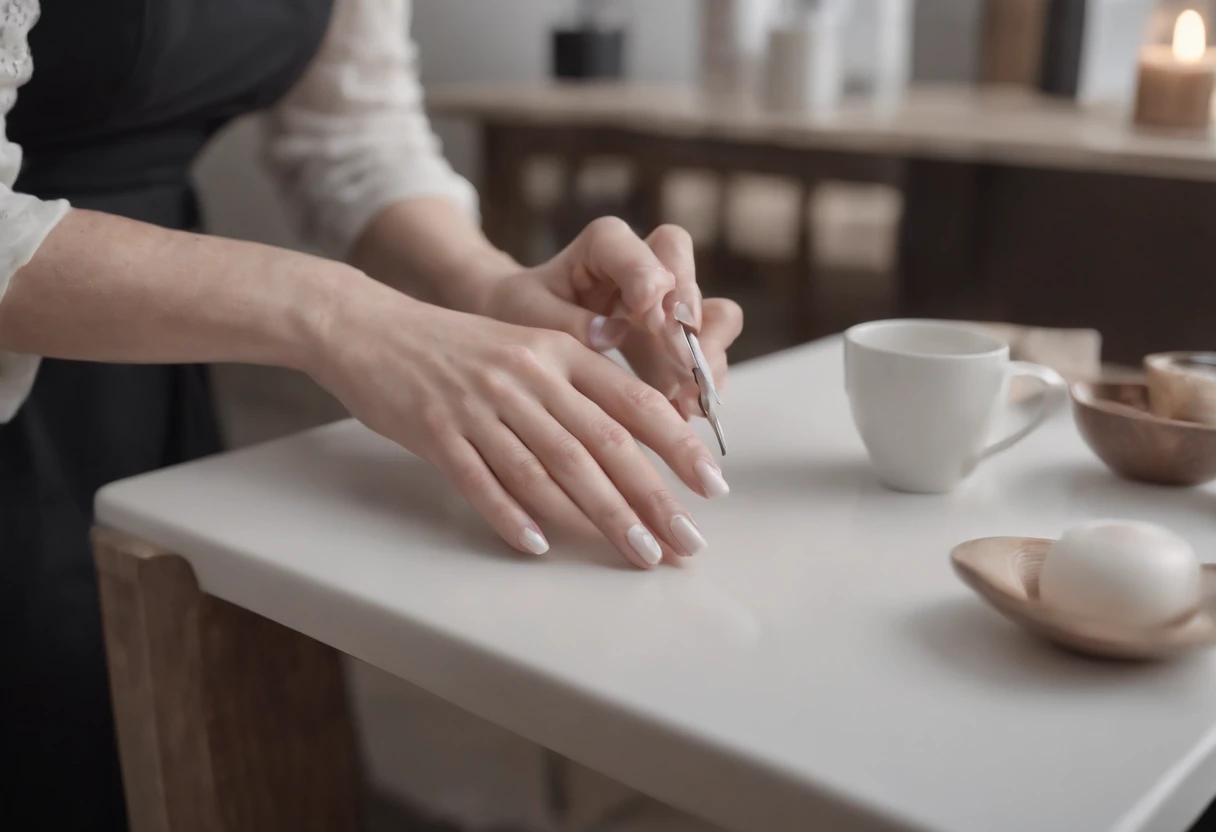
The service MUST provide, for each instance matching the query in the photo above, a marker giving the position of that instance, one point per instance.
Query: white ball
(1125, 573)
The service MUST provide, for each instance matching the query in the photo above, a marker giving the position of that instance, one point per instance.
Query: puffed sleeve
(352, 136)
(24, 220)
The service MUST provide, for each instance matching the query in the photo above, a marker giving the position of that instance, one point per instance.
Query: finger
(523, 475)
(599, 332)
(461, 463)
(611, 252)
(572, 467)
(652, 362)
(721, 326)
(651, 418)
(535, 304)
(674, 248)
(620, 457)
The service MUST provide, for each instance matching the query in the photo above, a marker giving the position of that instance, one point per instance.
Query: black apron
(125, 93)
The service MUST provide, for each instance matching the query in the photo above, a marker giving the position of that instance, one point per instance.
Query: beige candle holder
(1177, 72)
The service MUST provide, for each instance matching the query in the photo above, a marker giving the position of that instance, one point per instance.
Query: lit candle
(1175, 86)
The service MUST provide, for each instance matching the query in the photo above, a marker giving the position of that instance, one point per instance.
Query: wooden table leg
(227, 722)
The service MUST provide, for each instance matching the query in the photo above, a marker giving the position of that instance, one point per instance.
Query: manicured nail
(644, 544)
(683, 314)
(607, 333)
(711, 478)
(688, 535)
(533, 541)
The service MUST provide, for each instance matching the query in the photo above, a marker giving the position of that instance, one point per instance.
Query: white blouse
(349, 139)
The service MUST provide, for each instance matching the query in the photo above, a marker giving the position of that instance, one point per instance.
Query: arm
(526, 424)
(355, 155)
(24, 220)
(104, 288)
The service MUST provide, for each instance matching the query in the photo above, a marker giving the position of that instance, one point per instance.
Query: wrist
(474, 281)
(322, 316)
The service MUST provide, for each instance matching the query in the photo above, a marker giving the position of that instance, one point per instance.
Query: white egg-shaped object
(1123, 573)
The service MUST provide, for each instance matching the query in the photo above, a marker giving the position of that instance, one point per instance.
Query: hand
(611, 289)
(523, 421)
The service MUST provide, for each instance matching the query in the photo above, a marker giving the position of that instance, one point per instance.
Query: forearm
(103, 288)
(430, 249)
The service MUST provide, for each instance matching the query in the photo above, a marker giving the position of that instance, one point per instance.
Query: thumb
(598, 332)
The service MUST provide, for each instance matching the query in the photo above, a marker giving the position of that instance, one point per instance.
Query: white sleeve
(352, 137)
(24, 220)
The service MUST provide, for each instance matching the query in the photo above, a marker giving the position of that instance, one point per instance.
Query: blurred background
(835, 161)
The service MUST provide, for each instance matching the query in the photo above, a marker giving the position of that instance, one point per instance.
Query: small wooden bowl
(1182, 385)
(1115, 422)
(1004, 571)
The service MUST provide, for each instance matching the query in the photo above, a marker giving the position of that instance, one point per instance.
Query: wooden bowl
(1115, 422)
(1182, 385)
(1004, 571)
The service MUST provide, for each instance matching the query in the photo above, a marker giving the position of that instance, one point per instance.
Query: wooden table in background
(1016, 207)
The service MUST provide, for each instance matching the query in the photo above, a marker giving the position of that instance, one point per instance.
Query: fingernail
(644, 544)
(607, 333)
(689, 536)
(683, 314)
(533, 541)
(711, 478)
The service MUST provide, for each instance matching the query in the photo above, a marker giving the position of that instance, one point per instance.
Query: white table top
(954, 123)
(820, 663)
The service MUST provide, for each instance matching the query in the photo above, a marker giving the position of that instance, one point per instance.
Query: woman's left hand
(610, 289)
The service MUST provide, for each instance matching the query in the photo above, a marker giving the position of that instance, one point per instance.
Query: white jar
(804, 68)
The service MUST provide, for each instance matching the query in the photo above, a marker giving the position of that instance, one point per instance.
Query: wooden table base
(227, 722)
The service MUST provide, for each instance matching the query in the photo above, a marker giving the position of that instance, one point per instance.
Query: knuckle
(689, 445)
(611, 437)
(662, 503)
(608, 225)
(548, 342)
(561, 341)
(527, 473)
(494, 382)
(519, 358)
(646, 399)
(570, 454)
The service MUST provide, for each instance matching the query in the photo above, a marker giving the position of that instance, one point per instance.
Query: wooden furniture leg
(506, 215)
(226, 721)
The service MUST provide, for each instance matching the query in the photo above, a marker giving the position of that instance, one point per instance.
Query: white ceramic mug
(924, 395)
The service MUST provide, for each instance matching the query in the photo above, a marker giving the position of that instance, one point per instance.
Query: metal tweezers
(705, 383)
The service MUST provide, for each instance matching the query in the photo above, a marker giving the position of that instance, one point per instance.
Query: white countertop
(819, 667)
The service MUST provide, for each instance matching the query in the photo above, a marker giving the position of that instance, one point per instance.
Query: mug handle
(1055, 392)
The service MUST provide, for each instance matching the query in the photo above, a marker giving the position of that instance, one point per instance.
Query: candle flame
(1190, 37)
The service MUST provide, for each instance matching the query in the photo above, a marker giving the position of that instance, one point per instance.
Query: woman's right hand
(523, 421)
